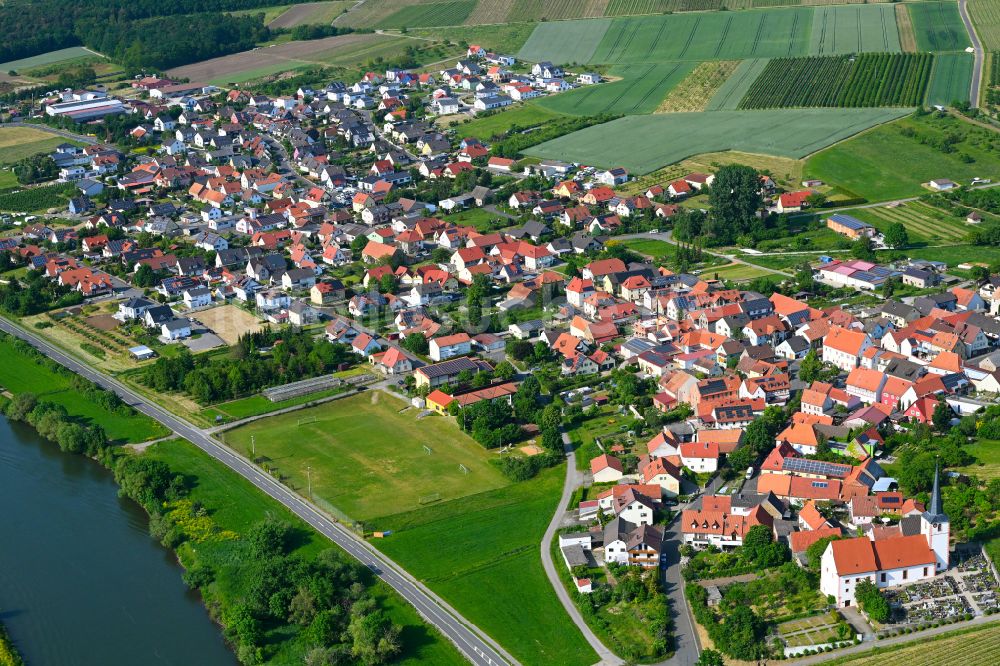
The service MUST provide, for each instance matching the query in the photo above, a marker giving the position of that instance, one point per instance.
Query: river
(81, 581)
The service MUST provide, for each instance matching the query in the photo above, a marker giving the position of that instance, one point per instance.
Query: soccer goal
(430, 499)
(428, 450)
(306, 419)
(465, 470)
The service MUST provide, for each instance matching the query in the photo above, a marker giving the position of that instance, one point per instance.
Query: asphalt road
(977, 70)
(478, 648)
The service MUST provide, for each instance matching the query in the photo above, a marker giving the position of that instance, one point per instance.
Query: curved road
(573, 480)
(476, 646)
(977, 70)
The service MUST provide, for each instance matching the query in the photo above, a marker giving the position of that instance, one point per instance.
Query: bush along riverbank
(281, 593)
(8, 654)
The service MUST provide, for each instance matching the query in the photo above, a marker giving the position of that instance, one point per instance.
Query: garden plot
(815, 630)
(229, 322)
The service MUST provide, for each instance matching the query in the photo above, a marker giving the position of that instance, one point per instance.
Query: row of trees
(294, 354)
(35, 293)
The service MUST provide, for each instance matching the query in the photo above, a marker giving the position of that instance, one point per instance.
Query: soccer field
(367, 458)
(644, 143)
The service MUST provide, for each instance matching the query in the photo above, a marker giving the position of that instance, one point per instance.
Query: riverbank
(279, 589)
(9, 655)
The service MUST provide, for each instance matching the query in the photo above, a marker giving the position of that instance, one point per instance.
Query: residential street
(478, 648)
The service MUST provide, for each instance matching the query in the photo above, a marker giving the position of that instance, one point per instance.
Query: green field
(522, 116)
(20, 142)
(859, 165)
(429, 14)
(21, 374)
(45, 59)
(938, 26)
(235, 504)
(986, 17)
(923, 223)
(507, 38)
(564, 41)
(735, 272)
(645, 143)
(258, 404)
(481, 555)
(642, 88)
(736, 86)
(951, 79)
(976, 646)
(987, 454)
(368, 459)
(648, 246)
(854, 29)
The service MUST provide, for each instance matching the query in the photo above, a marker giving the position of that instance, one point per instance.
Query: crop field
(922, 222)
(49, 58)
(539, 10)
(986, 17)
(938, 26)
(367, 455)
(859, 165)
(495, 11)
(20, 142)
(699, 87)
(308, 13)
(480, 553)
(951, 78)
(291, 55)
(645, 143)
(641, 89)
(633, 7)
(713, 36)
(978, 647)
(564, 41)
(735, 272)
(430, 14)
(870, 79)
(736, 86)
(854, 29)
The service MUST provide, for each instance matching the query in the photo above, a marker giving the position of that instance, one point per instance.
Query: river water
(81, 581)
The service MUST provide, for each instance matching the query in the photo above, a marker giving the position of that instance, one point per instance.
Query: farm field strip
(698, 88)
(495, 11)
(926, 221)
(565, 41)
(980, 647)
(867, 80)
(736, 86)
(310, 13)
(854, 29)
(645, 143)
(938, 26)
(951, 78)
(537, 10)
(907, 40)
(429, 14)
(985, 15)
(49, 58)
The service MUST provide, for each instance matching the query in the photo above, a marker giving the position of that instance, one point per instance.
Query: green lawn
(641, 89)
(736, 272)
(49, 58)
(368, 459)
(522, 116)
(644, 143)
(860, 167)
(235, 504)
(255, 405)
(20, 142)
(951, 79)
(987, 454)
(481, 554)
(606, 423)
(7, 179)
(938, 26)
(21, 374)
(480, 218)
(648, 246)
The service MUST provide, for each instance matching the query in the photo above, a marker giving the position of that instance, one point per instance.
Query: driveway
(203, 343)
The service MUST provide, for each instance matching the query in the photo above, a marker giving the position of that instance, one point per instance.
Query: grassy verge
(20, 373)
(480, 553)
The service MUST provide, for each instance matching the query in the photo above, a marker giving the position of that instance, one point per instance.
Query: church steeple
(935, 508)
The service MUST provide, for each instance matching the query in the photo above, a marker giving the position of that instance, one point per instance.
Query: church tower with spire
(935, 527)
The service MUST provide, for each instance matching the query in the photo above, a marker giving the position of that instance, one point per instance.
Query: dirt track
(291, 52)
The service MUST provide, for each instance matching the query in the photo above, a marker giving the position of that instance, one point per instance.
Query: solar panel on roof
(890, 500)
(806, 466)
(819, 484)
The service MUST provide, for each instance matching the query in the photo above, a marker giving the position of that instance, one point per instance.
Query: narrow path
(574, 479)
(980, 57)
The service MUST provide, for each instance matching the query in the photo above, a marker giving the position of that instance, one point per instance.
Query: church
(914, 550)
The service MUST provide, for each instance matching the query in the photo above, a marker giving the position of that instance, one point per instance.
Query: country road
(472, 642)
(977, 70)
